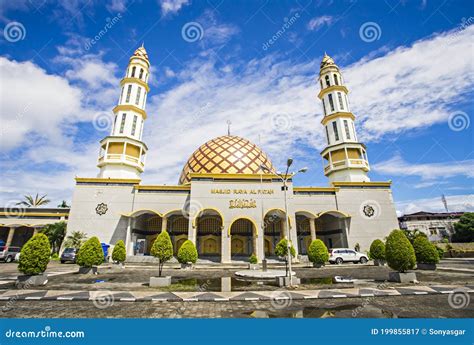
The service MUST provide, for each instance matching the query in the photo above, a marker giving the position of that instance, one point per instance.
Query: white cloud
(397, 166)
(318, 22)
(456, 203)
(34, 102)
(172, 6)
(411, 87)
(117, 5)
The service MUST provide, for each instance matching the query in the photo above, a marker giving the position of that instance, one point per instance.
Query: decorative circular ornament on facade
(101, 209)
(370, 209)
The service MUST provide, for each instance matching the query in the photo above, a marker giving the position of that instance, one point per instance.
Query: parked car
(8, 254)
(69, 254)
(341, 255)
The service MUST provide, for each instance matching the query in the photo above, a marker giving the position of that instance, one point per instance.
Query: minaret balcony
(118, 158)
(349, 163)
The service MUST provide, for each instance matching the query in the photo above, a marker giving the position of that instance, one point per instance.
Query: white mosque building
(229, 200)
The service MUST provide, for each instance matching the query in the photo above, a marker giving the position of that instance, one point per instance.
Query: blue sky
(408, 66)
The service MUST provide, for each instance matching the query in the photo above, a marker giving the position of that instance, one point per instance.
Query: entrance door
(237, 246)
(209, 246)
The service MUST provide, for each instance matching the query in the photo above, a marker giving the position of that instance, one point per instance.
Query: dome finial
(228, 126)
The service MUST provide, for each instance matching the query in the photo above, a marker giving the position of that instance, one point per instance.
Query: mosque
(229, 199)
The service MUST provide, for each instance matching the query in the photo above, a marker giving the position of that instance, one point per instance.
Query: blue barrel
(105, 248)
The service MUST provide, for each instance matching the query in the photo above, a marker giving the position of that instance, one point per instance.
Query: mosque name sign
(242, 191)
(242, 203)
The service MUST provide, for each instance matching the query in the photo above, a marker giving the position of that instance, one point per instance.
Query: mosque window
(134, 125)
(327, 81)
(133, 71)
(327, 134)
(324, 107)
(331, 102)
(138, 95)
(121, 95)
(322, 87)
(334, 127)
(335, 79)
(122, 124)
(341, 104)
(141, 73)
(129, 91)
(346, 127)
(354, 129)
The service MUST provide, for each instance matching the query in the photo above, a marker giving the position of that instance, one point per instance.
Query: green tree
(187, 253)
(253, 259)
(318, 252)
(75, 239)
(377, 250)
(399, 252)
(34, 201)
(281, 250)
(91, 253)
(412, 234)
(464, 229)
(56, 233)
(119, 254)
(425, 251)
(162, 249)
(64, 204)
(34, 256)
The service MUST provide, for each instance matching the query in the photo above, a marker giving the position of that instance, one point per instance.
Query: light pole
(284, 178)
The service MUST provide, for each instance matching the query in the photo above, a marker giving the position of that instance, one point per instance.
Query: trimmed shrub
(91, 253)
(253, 259)
(377, 250)
(34, 257)
(399, 252)
(187, 253)
(281, 249)
(119, 254)
(318, 252)
(440, 251)
(425, 251)
(162, 249)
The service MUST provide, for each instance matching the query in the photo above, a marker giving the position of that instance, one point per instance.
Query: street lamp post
(284, 178)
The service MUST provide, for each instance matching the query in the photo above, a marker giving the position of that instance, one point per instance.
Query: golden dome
(327, 61)
(227, 154)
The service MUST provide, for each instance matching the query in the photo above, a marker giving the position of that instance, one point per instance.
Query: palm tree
(34, 202)
(56, 233)
(75, 239)
(64, 204)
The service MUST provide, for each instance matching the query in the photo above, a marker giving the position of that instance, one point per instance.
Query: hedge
(119, 254)
(162, 249)
(34, 256)
(425, 251)
(253, 259)
(399, 252)
(377, 250)
(318, 252)
(187, 253)
(91, 253)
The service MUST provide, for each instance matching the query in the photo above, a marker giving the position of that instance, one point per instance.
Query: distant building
(435, 225)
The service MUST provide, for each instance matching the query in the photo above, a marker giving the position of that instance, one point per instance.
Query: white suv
(340, 255)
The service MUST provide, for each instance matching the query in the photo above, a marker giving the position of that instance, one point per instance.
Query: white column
(312, 228)
(11, 233)
(128, 237)
(260, 243)
(164, 223)
(225, 244)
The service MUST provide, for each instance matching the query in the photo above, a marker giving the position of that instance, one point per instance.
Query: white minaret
(122, 153)
(345, 158)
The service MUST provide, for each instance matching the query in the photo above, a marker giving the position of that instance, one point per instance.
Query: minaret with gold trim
(345, 159)
(122, 153)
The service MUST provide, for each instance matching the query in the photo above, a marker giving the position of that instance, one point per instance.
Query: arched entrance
(332, 228)
(274, 230)
(177, 226)
(146, 225)
(303, 231)
(243, 239)
(208, 234)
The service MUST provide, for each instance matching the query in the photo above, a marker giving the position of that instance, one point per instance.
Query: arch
(335, 213)
(247, 218)
(305, 213)
(140, 212)
(279, 210)
(207, 209)
(243, 239)
(173, 212)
